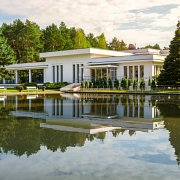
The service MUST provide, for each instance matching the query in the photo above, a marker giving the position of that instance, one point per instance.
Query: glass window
(141, 71)
(61, 73)
(125, 71)
(53, 73)
(57, 73)
(78, 73)
(73, 73)
(136, 72)
(130, 72)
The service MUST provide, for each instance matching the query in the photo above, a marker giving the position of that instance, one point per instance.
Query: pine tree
(170, 75)
(102, 41)
(6, 57)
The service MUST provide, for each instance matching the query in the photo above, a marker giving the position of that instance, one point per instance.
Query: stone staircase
(71, 88)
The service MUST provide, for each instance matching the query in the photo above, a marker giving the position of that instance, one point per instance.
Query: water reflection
(59, 122)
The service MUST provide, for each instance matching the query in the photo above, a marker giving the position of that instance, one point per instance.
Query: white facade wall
(67, 62)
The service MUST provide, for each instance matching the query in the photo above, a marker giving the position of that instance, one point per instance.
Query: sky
(140, 22)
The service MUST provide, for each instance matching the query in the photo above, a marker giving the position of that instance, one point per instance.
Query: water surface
(89, 137)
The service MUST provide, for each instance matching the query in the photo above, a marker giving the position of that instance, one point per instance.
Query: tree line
(27, 39)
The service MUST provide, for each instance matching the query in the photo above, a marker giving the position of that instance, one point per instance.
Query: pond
(89, 136)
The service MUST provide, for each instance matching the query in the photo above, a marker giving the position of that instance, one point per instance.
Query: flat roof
(84, 51)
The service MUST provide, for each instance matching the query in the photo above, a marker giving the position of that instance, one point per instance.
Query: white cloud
(99, 16)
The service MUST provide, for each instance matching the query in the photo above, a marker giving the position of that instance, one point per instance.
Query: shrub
(90, 84)
(82, 85)
(153, 84)
(142, 84)
(149, 82)
(116, 83)
(135, 84)
(129, 83)
(58, 85)
(20, 88)
(110, 83)
(124, 83)
(29, 84)
(86, 84)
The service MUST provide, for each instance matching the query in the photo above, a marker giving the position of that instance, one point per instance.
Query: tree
(170, 75)
(93, 40)
(102, 41)
(6, 57)
(156, 46)
(53, 40)
(80, 40)
(117, 45)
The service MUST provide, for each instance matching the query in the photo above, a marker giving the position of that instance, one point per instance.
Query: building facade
(75, 66)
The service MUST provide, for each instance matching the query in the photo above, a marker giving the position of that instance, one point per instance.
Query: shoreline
(91, 92)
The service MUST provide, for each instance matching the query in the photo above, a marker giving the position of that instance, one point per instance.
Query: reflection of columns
(4, 81)
(29, 104)
(30, 78)
(101, 73)
(16, 77)
(16, 102)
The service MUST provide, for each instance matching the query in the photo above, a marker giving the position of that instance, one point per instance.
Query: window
(130, 72)
(78, 73)
(141, 71)
(125, 72)
(73, 73)
(53, 73)
(61, 73)
(57, 73)
(136, 72)
(82, 72)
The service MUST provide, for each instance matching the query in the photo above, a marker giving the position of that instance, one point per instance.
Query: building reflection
(103, 112)
(58, 122)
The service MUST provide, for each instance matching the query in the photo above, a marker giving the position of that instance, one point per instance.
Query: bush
(110, 83)
(149, 82)
(153, 84)
(90, 84)
(20, 88)
(58, 85)
(135, 84)
(142, 84)
(29, 84)
(116, 83)
(86, 84)
(82, 85)
(129, 83)
(124, 83)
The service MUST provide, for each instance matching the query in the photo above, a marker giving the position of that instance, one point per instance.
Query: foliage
(149, 82)
(6, 57)
(20, 88)
(116, 83)
(58, 85)
(117, 45)
(135, 84)
(142, 84)
(102, 41)
(110, 83)
(124, 83)
(86, 84)
(82, 84)
(170, 75)
(153, 84)
(29, 84)
(156, 46)
(129, 82)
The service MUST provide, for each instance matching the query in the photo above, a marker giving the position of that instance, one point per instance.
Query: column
(139, 79)
(16, 77)
(133, 73)
(30, 78)
(107, 74)
(127, 72)
(95, 73)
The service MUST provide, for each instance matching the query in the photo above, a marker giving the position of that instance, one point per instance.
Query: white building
(87, 64)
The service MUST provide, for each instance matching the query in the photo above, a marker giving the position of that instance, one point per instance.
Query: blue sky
(135, 21)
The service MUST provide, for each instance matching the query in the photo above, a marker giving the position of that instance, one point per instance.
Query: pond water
(72, 137)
